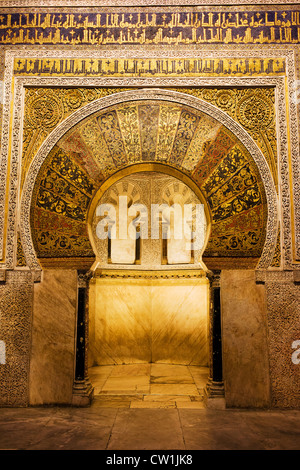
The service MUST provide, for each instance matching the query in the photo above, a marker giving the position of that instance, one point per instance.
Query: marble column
(82, 388)
(214, 391)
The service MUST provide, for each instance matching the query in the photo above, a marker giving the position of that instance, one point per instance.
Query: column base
(214, 395)
(83, 393)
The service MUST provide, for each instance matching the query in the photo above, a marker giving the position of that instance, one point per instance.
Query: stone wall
(52, 359)
(244, 340)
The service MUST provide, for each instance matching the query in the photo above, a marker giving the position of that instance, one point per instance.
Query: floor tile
(171, 379)
(174, 389)
(124, 428)
(153, 404)
(131, 369)
(190, 404)
(167, 397)
(147, 429)
(165, 383)
(130, 383)
(169, 369)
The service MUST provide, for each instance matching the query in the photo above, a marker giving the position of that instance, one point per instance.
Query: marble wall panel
(244, 340)
(150, 320)
(180, 321)
(53, 338)
(121, 324)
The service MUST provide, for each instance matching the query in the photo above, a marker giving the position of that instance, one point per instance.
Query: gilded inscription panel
(146, 26)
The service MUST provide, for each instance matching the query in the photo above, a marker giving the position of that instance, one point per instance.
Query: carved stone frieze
(16, 303)
(132, 274)
(130, 3)
(274, 276)
(283, 329)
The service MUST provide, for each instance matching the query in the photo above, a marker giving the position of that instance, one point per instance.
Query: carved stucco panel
(16, 303)
(283, 325)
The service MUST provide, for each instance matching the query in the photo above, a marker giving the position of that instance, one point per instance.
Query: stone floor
(99, 428)
(173, 417)
(149, 386)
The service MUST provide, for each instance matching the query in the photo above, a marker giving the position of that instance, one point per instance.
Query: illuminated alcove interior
(148, 220)
(148, 298)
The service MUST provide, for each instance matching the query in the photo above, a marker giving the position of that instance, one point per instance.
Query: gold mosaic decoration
(253, 108)
(45, 108)
(148, 131)
(62, 194)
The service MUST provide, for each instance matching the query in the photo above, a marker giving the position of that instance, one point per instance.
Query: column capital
(83, 277)
(214, 277)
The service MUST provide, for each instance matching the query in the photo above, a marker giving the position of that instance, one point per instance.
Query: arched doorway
(147, 127)
(149, 293)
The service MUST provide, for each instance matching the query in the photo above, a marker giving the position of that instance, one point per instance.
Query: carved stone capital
(83, 278)
(214, 278)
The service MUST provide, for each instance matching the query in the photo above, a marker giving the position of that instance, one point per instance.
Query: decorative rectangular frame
(287, 124)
